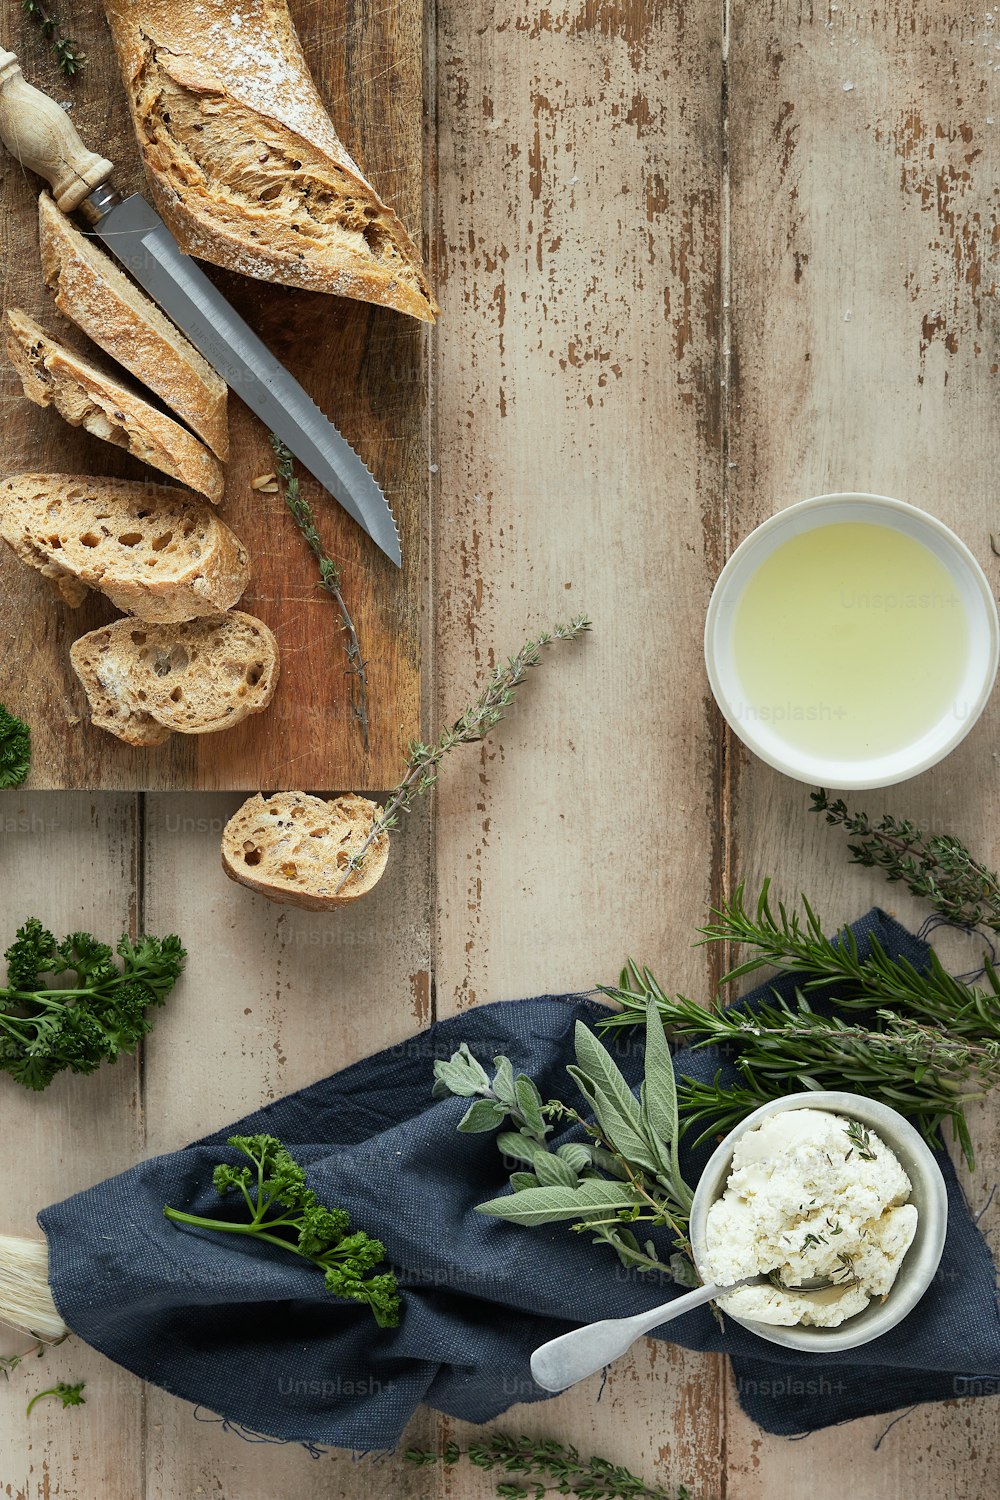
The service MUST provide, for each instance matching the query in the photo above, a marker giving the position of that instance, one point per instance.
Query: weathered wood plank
(365, 366)
(69, 861)
(275, 998)
(864, 190)
(578, 444)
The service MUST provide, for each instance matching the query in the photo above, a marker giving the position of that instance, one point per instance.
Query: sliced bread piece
(112, 311)
(243, 160)
(294, 848)
(109, 708)
(192, 678)
(85, 396)
(156, 551)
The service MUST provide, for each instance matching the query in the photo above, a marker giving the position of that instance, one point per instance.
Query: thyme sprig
(68, 55)
(937, 867)
(10, 1362)
(548, 1465)
(473, 725)
(330, 581)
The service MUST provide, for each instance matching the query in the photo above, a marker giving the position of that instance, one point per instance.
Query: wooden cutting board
(365, 366)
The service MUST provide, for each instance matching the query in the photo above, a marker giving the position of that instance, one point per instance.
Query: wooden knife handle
(43, 137)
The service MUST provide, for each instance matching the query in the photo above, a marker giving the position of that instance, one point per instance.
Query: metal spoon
(573, 1356)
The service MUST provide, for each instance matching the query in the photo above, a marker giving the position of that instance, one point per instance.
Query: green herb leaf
(659, 1098)
(552, 1171)
(462, 1074)
(520, 1147)
(503, 1081)
(15, 749)
(529, 1103)
(481, 1116)
(547, 1205)
(576, 1155)
(609, 1096)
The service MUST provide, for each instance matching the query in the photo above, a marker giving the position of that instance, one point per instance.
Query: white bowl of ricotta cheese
(821, 1185)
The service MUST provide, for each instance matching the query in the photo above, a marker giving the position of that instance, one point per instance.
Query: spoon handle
(582, 1352)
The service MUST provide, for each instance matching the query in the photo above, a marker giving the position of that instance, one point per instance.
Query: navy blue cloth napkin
(252, 1334)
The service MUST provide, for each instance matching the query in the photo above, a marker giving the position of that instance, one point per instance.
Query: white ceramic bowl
(974, 677)
(929, 1197)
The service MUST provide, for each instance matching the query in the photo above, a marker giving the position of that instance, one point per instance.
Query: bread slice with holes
(153, 549)
(85, 396)
(94, 294)
(145, 681)
(294, 848)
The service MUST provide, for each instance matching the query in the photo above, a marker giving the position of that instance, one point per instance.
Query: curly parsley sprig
(15, 749)
(286, 1213)
(69, 1395)
(102, 1012)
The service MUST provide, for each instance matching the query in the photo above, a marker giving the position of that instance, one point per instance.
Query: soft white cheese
(805, 1200)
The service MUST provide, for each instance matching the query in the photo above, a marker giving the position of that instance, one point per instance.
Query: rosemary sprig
(937, 867)
(68, 56)
(330, 581)
(473, 725)
(922, 1070)
(798, 945)
(547, 1464)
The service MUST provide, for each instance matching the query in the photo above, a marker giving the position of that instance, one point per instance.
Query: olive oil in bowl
(852, 640)
(849, 639)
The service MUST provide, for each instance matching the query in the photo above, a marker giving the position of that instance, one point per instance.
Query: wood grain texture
(364, 366)
(864, 191)
(275, 999)
(580, 171)
(589, 458)
(72, 860)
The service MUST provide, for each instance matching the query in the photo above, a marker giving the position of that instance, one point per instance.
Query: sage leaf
(683, 1271)
(659, 1103)
(547, 1205)
(529, 1102)
(520, 1147)
(462, 1074)
(481, 1116)
(659, 1087)
(552, 1171)
(576, 1155)
(521, 1180)
(611, 1099)
(503, 1081)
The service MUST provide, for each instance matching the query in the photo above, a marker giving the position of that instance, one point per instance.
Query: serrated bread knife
(41, 136)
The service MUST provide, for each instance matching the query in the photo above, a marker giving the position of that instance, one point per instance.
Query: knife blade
(36, 131)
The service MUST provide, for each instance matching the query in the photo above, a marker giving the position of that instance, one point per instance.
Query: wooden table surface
(665, 316)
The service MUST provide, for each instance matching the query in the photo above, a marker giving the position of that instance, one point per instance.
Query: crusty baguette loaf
(120, 319)
(294, 848)
(156, 551)
(193, 678)
(244, 162)
(84, 396)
